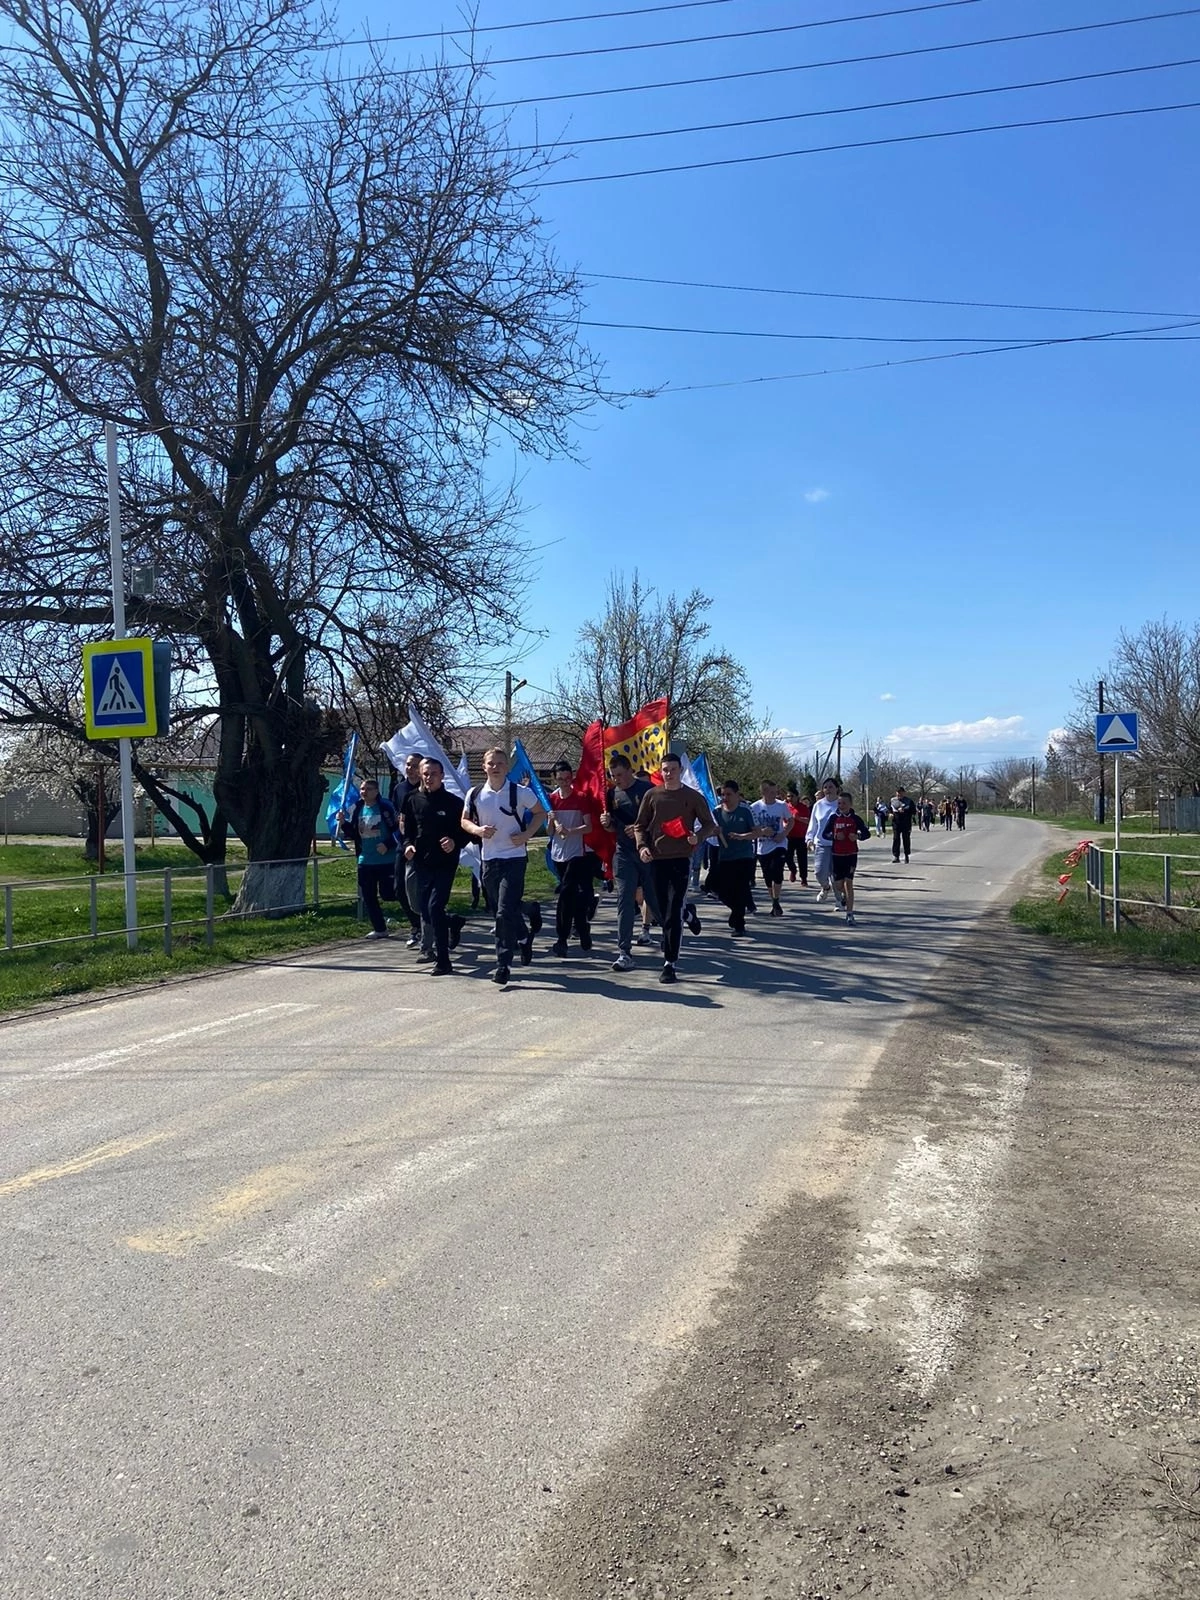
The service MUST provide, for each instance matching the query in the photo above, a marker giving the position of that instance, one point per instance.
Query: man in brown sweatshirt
(666, 834)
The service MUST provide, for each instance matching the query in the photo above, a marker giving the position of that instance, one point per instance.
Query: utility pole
(510, 688)
(1100, 760)
(1033, 788)
(123, 745)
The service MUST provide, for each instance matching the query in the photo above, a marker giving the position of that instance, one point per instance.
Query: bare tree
(1155, 672)
(643, 647)
(311, 305)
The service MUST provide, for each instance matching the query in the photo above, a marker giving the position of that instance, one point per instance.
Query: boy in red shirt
(797, 847)
(845, 828)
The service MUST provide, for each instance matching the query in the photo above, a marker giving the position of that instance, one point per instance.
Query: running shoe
(525, 950)
(425, 958)
(822, 895)
(690, 917)
(850, 919)
(443, 969)
(624, 963)
(379, 933)
(501, 974)
(558, 948)
(414, 942)
(776, 909)
(667, 975)
(457, 924)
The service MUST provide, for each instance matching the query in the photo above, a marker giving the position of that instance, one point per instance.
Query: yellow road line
(114, 1150)
(253, 1194)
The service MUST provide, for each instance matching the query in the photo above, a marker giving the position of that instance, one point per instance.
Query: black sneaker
(525, 951)
(667, 975)
(533, 915)
(442, 969)
(501, 974)
(425, 957)
(585, 941)
(690, 917)
(776, 909)
(558, 948)
(456, 927)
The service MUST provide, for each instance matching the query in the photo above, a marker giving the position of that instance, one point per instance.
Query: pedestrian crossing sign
(1117, 733)
(118, 689)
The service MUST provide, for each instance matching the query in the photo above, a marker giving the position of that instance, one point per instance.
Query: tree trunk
(271, 801)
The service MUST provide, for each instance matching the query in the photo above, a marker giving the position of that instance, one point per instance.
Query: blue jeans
(629, 875)
(503, 886)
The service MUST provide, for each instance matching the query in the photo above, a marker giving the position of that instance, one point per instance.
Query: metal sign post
(123, 745)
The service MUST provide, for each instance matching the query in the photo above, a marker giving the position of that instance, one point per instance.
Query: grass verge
(81, 965)
(1157, 935)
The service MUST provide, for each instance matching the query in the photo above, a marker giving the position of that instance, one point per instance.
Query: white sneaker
(414, 943)
(624, 963)
(824, 895)
(374, 935)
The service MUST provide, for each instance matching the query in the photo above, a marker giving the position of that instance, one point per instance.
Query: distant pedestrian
(902, 811)
(844, 829)
(881, 816)
(960, 812)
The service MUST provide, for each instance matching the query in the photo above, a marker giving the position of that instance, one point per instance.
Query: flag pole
(347, 769)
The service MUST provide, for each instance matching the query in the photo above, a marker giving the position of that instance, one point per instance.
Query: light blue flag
(704, 780)
(521, 771)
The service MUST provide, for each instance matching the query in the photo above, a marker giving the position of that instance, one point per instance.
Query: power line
(1119, 336)
(867, 144)
(850, 61)
(881, 299)
(741, 33)
(541, 22)
(873, 105)
(857, 338)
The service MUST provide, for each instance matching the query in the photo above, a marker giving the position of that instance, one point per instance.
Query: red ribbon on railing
(1072, 860)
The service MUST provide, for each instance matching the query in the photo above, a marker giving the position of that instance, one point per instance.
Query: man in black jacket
(404, 784)
(903, 810)
(431, 822)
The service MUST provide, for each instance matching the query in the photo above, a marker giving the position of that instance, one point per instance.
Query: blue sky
(931, 553)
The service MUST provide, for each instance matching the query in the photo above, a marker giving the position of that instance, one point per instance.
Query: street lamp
(510, 688)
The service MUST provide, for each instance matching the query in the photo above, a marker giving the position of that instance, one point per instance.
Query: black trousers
(901, 840)
(433, 883)
(370, 881)
(733, 881)
(400, 890)
(797, 855)
(574, 899)
(671, 887)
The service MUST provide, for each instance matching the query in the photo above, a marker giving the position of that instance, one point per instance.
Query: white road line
(296, 1247)
(919, 1256)
(98, 1059)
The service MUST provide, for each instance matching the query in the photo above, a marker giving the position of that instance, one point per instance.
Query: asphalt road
(327, 1279)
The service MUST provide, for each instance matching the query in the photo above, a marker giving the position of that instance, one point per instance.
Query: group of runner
(409, 845)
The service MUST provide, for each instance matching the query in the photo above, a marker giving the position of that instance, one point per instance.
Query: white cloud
(986, 730)
(887, 696)
(815, 496)
(1057, 735)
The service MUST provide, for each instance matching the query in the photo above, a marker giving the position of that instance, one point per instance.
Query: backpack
(472, 805)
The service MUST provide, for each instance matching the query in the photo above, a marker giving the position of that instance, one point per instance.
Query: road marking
(99, 1059)
(114, 1150)
(923, 1250)
(254, 1193)
(313, 1237)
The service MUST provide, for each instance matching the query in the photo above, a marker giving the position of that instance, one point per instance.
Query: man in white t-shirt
(504, 816)
(824, 806)
(773, 822)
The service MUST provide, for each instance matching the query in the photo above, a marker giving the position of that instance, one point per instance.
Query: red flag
(590, 780)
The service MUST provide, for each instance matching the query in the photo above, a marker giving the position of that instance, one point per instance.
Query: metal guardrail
(169, 878)
(1105, 888)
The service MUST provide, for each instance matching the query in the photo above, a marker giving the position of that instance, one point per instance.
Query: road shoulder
(964, 1359)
